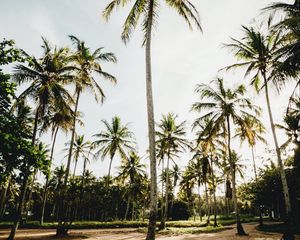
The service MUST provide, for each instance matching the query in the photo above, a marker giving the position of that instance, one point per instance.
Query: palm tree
(149, 10)
(201, 170)
(175, 174)
(116, 138)
(224, 107)
(259, 53)
(171, 139)
(87, 64)
(133, 172)
(46, 77)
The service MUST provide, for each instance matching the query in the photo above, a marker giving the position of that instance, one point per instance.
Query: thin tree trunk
(47, 179)
(20, 209)
(240, 230)
(288, 235)
(109, 169)
(207, 204)
(61, 229)
(165, 208)
(75, 166)
(162, 190)
(151, 129)
(214, 191)
(127, 208)
(3, 197)
(199, 203)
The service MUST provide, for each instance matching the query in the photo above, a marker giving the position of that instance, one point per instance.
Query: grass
(175, 226)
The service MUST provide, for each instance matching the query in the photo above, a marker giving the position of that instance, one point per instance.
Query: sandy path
(132, 234)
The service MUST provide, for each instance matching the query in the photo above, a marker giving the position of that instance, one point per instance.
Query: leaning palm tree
(148, 11)
(225, 107)
(258, 53)
(116, 138)
(87, 64)
(171, 138)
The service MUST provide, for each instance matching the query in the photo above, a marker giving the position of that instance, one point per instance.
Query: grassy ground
(189, 225)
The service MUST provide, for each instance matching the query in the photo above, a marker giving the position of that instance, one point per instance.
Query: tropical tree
(87, 63)
(171, 139)
(116, 138)
(258, 53)
(225, 107)
(132, 171)
(148, 11)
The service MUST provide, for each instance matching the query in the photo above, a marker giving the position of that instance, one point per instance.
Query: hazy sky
(181, 59)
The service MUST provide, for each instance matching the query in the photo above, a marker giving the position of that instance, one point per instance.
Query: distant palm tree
(251, 131)
(116, 138)
(148, 11)
(225, 107)
(87, 63)
(171, 139)
(133, 172)
(258, 53)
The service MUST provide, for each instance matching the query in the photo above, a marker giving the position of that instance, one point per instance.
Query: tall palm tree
(87, 64)
(148, 11)
(171, 138)
(225, 107)
(175, 174)
(258, 53)
(116, 138)
(46, 77)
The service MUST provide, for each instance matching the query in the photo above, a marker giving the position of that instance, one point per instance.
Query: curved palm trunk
(21, 205)
(75, 166)
(288, 233)
(151, 129)
(47, 180)
(62, 229)
(127, 207)
(109, 169)
(240, 230)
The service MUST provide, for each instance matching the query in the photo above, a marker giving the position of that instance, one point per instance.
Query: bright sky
(181, 59)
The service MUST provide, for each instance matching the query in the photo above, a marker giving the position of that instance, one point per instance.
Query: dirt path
(132, 234)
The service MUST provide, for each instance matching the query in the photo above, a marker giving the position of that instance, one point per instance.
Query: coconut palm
(201, 169)
(132, 171)
(171, 139)
(258, 53)
(225, 107)
(116, 138)
(87, 63)
(147, 13)
(46, 77)
(251, 131)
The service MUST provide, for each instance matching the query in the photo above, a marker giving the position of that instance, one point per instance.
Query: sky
(181, 58)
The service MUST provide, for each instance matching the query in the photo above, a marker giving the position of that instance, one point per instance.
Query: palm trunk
(3, 197)
(165, 212)
(162, 190)
(240, 230)
(109, 169)
(20, 209)
(288, 233)
(207, 204)
(151, 129)
(72, 140)
(75, 166)
(199, 203)
(47, 179)
(214, 191)
(82, 186)
(61, 229)
(127, 208)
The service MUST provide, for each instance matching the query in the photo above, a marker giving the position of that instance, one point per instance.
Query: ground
(133, 234)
